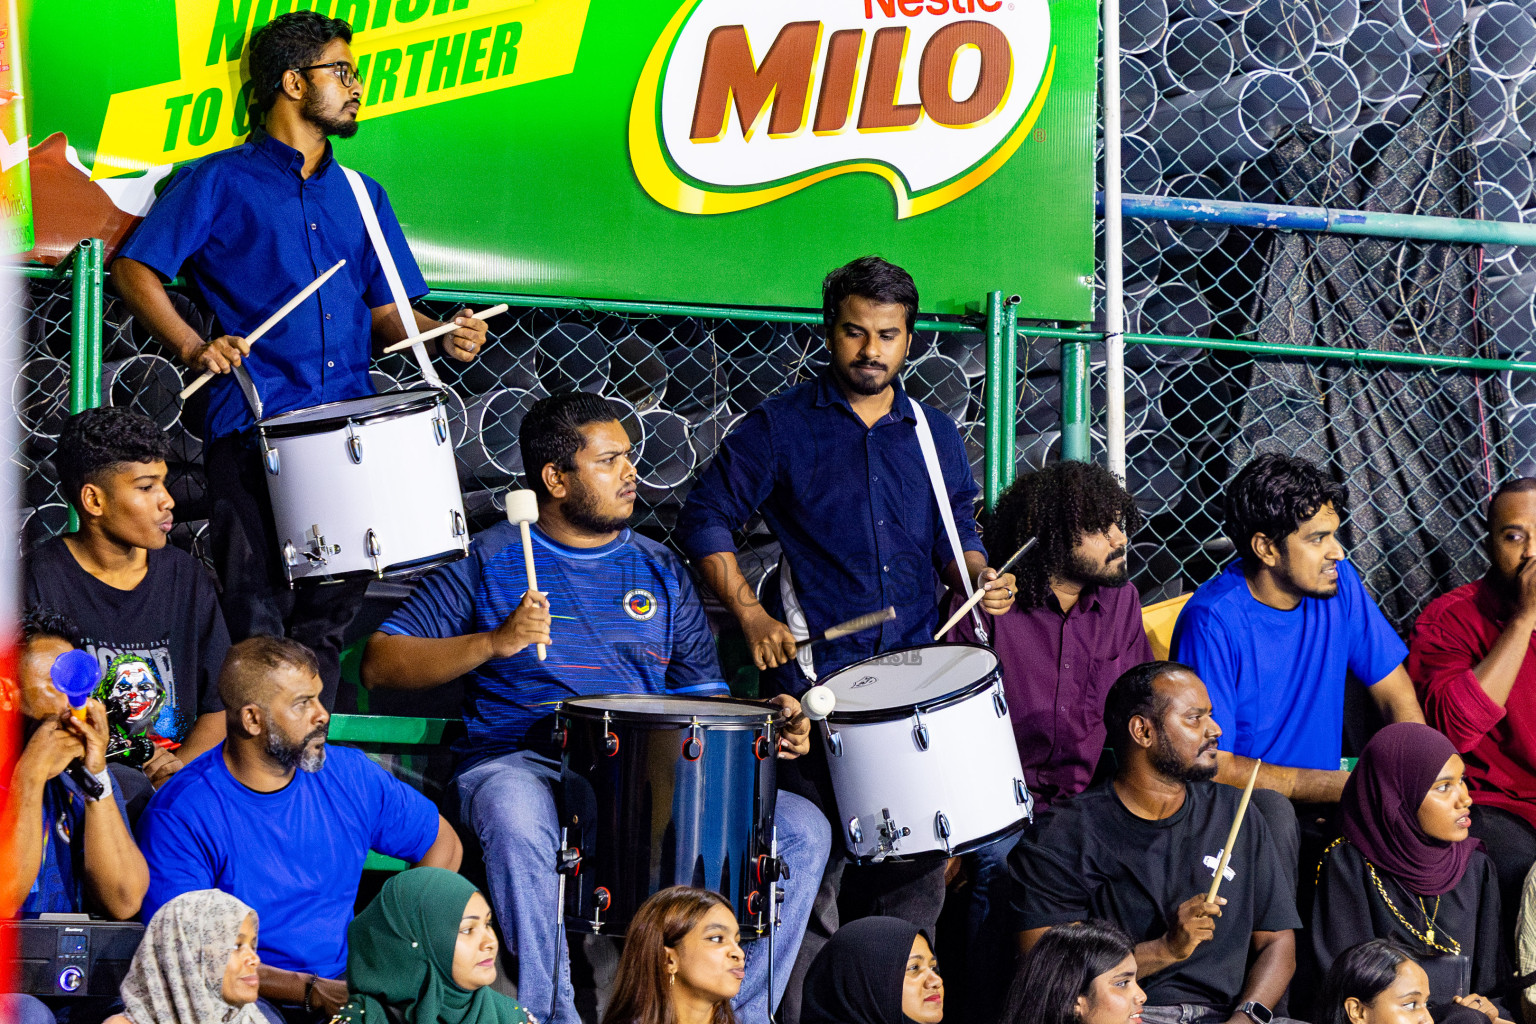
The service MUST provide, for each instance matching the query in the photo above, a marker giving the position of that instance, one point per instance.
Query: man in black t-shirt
(129, 593)
(1141, 851)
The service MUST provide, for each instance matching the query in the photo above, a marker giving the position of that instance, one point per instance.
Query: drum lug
(693, 746)
(941, 829)
(375, 549)
(833, 738)
(999, 703)
(602, 899)
(440, 425)
(855, 833)
(271, 458)
(568, 860)
(459, 529)
(920, 732)
(1021, 794)
(610, 738)
(354, 445)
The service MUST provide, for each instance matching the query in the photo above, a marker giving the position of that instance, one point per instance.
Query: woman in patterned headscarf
(196, 965)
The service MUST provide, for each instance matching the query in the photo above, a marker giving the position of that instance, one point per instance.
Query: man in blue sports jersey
(619, 614)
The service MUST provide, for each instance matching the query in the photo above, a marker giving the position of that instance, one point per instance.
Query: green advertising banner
(717, 151)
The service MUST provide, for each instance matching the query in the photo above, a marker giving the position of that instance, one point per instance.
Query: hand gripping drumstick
(522, 509)
(269, 323)
(448, 328)
(1237, 823)
(980, 592)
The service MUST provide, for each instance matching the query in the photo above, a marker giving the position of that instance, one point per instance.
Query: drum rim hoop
(415, 400)
(390, 572)
(959, 850)
(728, 720)
(896, 712)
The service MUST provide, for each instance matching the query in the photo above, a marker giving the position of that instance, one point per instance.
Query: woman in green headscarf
(424, 952)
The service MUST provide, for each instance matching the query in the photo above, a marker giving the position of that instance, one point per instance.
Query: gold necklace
(1427, 937)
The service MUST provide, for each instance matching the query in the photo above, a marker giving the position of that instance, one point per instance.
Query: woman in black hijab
(878, 970)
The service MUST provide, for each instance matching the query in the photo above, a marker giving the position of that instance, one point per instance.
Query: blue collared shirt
(249, 232)
(852, 507)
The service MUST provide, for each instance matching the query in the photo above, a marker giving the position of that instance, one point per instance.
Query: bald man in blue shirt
(248, 228)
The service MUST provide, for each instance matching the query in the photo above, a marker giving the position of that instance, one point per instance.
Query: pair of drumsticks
(310, 289)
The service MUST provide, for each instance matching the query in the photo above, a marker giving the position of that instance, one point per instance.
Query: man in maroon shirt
(1470, 659)
(1075, 627)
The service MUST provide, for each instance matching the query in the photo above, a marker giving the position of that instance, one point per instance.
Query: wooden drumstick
(522, 509)
(448, 328)
(269, 323)
(980, 592)
(1237, 823)
(854, 625)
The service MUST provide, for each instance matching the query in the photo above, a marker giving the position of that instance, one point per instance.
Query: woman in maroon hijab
(1405, 870)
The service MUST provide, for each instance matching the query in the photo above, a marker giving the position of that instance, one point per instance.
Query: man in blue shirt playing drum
(836, 469)
(618, 614)
(249, 228)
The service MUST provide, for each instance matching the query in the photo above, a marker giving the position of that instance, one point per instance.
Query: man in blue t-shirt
(1276, 632)
(618, 614)
(283, 822)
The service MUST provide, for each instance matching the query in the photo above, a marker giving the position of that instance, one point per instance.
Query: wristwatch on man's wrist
(1256, 1012)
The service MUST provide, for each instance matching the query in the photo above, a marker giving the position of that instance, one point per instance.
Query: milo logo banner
(717, 151)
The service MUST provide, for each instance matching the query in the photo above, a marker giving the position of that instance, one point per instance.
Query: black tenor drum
(662, 791)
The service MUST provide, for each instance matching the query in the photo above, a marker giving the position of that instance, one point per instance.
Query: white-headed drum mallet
(269, 323)
(1237, 823)
(523, 509)
(818, 702)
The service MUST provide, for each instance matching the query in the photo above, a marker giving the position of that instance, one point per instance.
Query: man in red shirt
(1470, 660)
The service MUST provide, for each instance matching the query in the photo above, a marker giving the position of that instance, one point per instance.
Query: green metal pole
(93, 324)
(85, 312)
(1076, 409)
(999, 389)
(1011, 390)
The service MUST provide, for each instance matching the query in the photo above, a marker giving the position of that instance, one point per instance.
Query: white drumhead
(914, 676)
(355, 408)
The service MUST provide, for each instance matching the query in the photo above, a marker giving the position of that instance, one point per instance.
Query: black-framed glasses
(343, 70)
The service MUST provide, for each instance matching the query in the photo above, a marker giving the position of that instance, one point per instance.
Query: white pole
(1114, 272)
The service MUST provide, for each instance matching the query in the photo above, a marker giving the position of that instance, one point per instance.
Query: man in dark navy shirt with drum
(836, 469)
(618, 614)
(249, 228)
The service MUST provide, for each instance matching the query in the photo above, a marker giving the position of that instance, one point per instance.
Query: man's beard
(859, 387)
(1165, 761)
(344, 127)
(581, 509)
(1089, 574)
(298, 755)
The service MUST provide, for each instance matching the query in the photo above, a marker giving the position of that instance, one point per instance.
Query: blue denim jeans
(509, 801)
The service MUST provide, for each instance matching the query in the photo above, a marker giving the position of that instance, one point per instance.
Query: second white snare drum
(365, 487)
(922, 754)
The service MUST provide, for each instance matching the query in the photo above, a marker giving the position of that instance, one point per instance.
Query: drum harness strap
(794, 614)
(391, 274)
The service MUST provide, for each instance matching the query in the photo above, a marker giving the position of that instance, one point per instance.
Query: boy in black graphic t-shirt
(130, 593)
(1142, 849)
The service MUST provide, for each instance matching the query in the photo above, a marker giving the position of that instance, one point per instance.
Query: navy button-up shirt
(249, 232)
(852, 507)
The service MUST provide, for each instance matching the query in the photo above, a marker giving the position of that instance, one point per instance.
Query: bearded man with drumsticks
(249, 228)
(614, 612)
(837, 469)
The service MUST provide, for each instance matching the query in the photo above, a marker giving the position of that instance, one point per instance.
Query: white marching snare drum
(365, 487)
(922, 754)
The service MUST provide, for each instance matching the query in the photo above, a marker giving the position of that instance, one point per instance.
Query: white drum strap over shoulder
(946, 513)
(391, 273)
(794, 618)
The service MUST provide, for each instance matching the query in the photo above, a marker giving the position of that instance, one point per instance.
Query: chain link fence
(40, 396)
